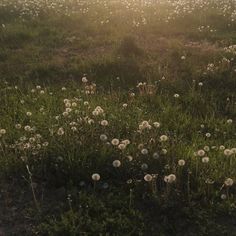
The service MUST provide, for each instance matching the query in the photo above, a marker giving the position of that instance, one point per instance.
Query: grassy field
(117, 118)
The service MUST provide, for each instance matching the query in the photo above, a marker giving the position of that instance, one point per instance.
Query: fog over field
(118, 117)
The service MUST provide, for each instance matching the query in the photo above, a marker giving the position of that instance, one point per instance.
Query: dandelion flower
(233, 150)
(3, 131)
(115, 142)
(164, 151)
(229, 182)
(222, 147)
(229, 121)
(60, 131)
(104, 123)
(201, 153)
(103, 137)
(116, 163)
(227, 152)
(223, 196)
(163, 138)
(121, 146)
(148, 178)
(144, 166)
(181, 162)
(84, 80)
(205, 159)
(96, 177)
(155, 155)
(170, 178)
(156, 124)
(144, 151)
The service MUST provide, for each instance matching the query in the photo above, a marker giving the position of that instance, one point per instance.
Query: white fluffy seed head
(148, 178)
(116, 163)
(95, 177)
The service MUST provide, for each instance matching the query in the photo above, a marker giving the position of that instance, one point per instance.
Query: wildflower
(148, 178)
(130, 158)
(73, 128)
(98, 111)
(164, 151)
(209, 181)
(18, 126)
(223, 196)
(229, 182)
(66, 100)
(116, 163)
(144, 151)
(227, 152)
(45, 144)
(27, 128)
(65, 113)
(32, 139)
(200, 153)
(68, 109)
(156, 124)
(176, 95)
(144, 125)
(163, 138)
(84, 80)
(155, 155)
(67, 104)
(132, 94)
(104, 123)
(206, 148)
(229, 121)
(144, 166)
(96, 177)
(205, 159)
(233, 150)
(115, 142)
(181, 162)
(170, 178)
(121, 146)
(208, 135)
(124, 105)
(29, 113)
(126, 142)
(103, 137)
(74, 104)
(60, 131)
(90, 121)
(222, 147)
(3, 131)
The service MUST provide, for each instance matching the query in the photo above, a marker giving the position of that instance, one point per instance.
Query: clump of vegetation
(107, 134)
(129, 47)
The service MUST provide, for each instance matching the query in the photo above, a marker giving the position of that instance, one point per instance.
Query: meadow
(117, 117)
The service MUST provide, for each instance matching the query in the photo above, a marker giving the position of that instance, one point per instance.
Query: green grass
(144, 64)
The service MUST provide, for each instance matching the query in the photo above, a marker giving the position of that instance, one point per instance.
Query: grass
(110, 130)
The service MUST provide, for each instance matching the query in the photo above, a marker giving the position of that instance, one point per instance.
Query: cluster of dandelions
(79, 121)
(140, 13)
